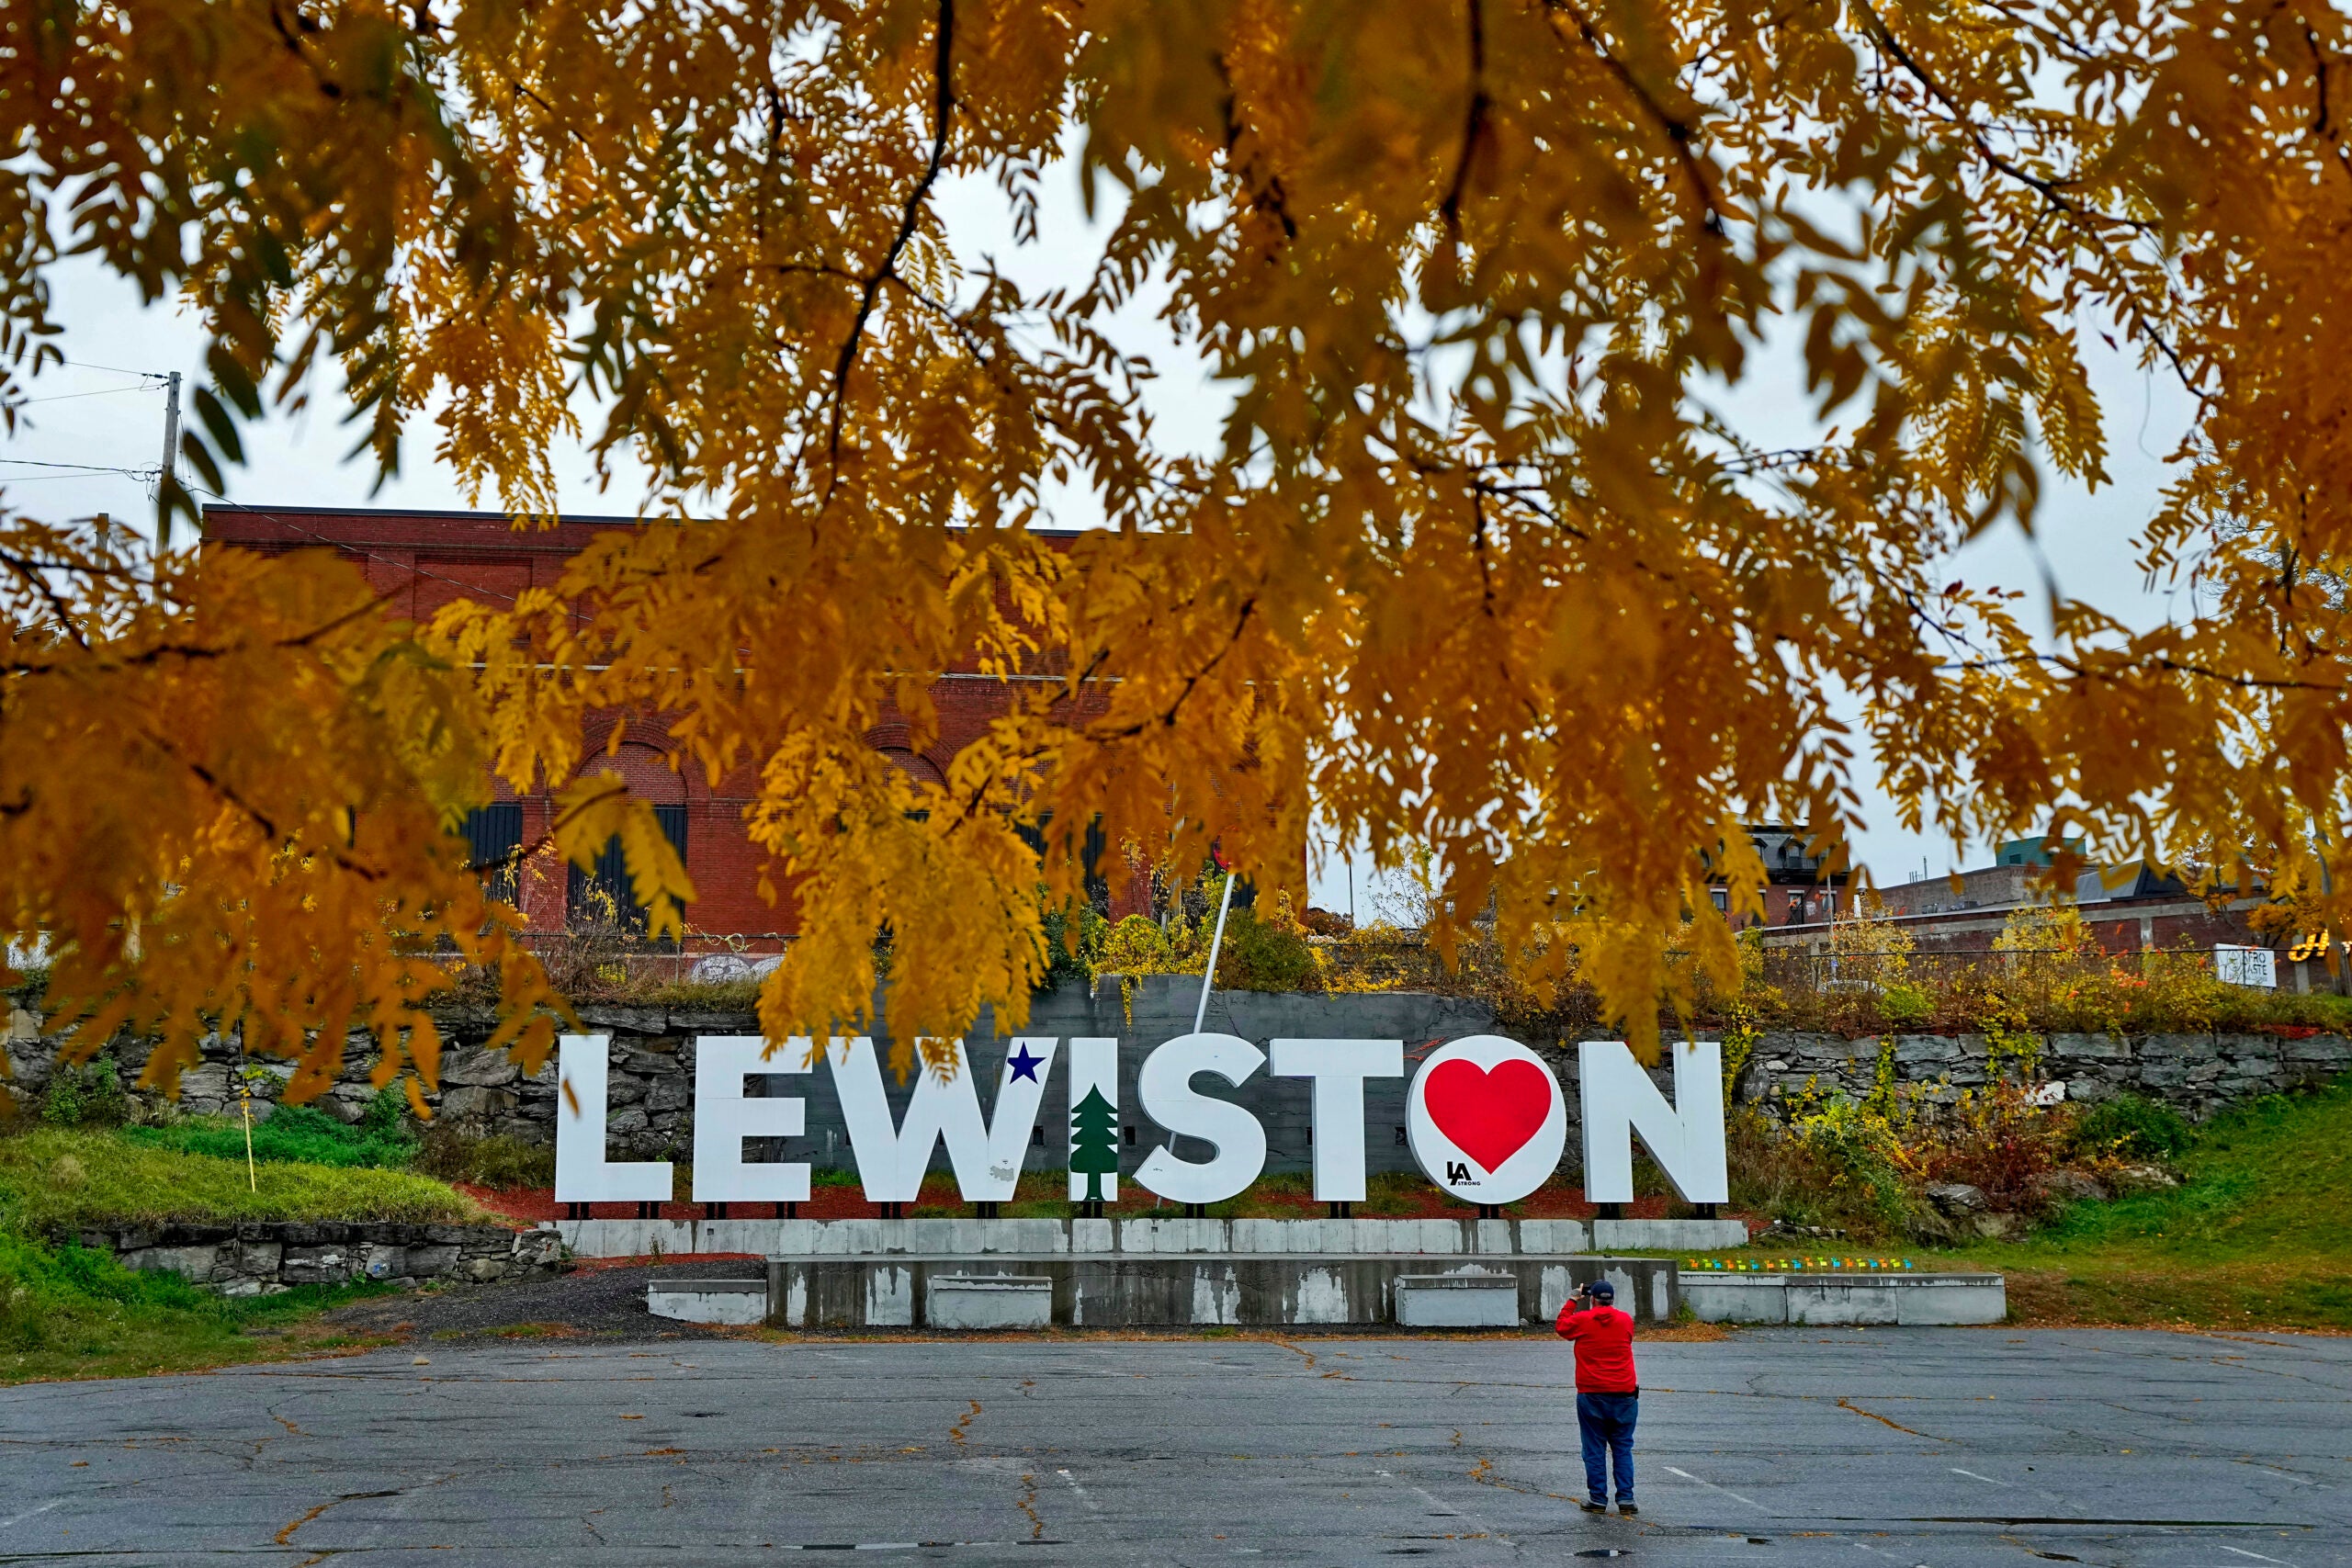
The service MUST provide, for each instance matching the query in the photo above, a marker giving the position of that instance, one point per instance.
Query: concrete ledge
(1174, 1290)
(1148, 1235)
(1845, 1299)
(1483, 1300)
(989, 1300)
(1667, 1236)
(708, 1300)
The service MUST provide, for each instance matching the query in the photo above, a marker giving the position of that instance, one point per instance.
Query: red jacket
(1604, 1341)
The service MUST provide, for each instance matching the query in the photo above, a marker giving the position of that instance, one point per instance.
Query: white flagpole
(1215, 942)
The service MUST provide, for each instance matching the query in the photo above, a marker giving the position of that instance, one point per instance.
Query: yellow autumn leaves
(1484, 562)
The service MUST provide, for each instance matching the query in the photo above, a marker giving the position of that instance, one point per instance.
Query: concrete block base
(1188, 1290)
(736, 1302)
(1846, 1300)
(1457, 1300)
(989, 1300)
(1167, 1291)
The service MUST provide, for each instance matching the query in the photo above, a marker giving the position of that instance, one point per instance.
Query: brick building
(424, 559)
(1798, 889)
(2127, 909)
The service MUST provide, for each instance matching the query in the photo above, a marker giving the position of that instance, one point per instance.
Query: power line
(69, 397)
(114, 370)
(79, 467)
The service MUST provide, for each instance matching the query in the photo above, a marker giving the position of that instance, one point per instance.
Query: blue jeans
(1606, 1422)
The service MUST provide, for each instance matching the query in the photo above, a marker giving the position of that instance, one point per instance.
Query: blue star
(1024, 1066)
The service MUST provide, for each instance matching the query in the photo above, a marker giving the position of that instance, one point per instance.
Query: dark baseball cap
(1602, 1290)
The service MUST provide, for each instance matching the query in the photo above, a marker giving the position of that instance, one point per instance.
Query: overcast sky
(99, 411)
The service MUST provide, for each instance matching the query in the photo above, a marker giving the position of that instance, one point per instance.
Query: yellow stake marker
(245, 1099)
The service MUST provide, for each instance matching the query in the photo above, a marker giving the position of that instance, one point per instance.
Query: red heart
(1488, 1113)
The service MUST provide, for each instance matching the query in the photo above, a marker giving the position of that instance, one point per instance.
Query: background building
(1798, 889)
(421, 560)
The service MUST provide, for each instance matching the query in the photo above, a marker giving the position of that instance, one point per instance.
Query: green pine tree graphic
(1094, 1141)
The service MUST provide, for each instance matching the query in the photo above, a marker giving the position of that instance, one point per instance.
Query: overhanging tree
(1488, 561)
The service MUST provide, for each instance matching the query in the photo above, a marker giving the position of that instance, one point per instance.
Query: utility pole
(171, 465)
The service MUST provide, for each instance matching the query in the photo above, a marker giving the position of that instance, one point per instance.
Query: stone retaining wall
(262, 1259)
(2199, 1073)
(482, 1092)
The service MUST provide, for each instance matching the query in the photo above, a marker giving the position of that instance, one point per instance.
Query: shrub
(1862, 1165)
(1998, 1140)
(89, 1095)
(1903, 1005)
(1137, 945)
(1856, 1156)
(497, 1161)
(1323, 922)
(2132, 1126)
(1264, 950)
(1071, 946)
(1268, 953)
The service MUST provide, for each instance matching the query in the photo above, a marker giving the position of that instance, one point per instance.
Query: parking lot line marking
(1710, 1487)
(915, 1545)
(1973, 1476)
(2255, 1555)
(1083, 1495)
(1866, 1546)
(28, 1513)
(1427, 1496)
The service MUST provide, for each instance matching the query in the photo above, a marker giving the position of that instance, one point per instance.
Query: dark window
(604, 894)
(495, 833)
(1090, 853)
(1723, 899)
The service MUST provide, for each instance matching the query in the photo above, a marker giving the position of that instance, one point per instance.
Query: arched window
(914, 764)
(604, 894)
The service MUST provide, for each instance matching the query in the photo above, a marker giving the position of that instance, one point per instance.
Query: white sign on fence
(2246, 965)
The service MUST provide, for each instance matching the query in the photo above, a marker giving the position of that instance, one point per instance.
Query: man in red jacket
(1608, 1396)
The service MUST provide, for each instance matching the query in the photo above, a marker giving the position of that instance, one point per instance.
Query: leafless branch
(870, 289)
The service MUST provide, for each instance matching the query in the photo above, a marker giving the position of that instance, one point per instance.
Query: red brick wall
(427, 559)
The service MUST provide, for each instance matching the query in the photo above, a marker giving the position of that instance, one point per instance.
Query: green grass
(53, 1179)
(2254, 1236)
(382, 1140)
(72, 1313)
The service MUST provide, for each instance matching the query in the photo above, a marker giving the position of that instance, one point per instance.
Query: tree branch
(1474, 121)
(870, 289)
(1677, 132)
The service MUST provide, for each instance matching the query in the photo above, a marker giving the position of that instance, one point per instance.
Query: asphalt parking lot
(1784, 1447)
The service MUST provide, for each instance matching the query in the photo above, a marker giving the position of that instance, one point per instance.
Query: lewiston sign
(1486, 1118)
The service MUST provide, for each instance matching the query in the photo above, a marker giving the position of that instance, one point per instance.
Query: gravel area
(605, 1305)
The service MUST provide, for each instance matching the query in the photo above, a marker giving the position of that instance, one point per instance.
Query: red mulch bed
(531, 1205)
